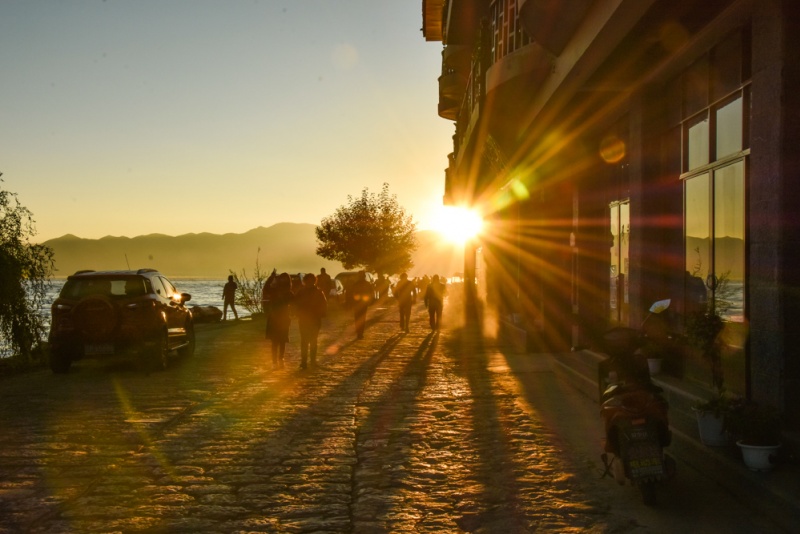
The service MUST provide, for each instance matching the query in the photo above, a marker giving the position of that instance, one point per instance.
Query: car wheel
(157, 358)
(188, 350)
(60, 362)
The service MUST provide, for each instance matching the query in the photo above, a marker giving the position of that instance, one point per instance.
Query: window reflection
(697, 148)
(698, 226)
(729, 240)
(729, 128)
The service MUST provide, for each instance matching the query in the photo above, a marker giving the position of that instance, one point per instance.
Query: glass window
(158, 287)
(697, 144)
(729, 128)
(729, 231)
(698, 226)
(620, 261)
(169, 287)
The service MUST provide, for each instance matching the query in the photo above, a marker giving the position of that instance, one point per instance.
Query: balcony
(527, 66)
(457, 58)
(552, 24)
(451, 92)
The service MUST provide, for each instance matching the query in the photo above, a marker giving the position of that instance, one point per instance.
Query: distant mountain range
(289, 247)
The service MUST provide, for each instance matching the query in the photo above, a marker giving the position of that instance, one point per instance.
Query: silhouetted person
(277, 295)
(311, 306)
(434, 301)
(423, 284)
(361, 294)
(324, 282)
(228, 298)
(404, 293)
(382, 286)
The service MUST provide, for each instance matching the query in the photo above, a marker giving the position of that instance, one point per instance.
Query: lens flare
(612, 149)
(458, 225)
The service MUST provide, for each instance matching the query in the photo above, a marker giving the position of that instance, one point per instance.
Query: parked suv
(138, 315)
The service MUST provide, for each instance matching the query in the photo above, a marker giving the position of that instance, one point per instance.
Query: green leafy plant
(721, 404)
(703, 329)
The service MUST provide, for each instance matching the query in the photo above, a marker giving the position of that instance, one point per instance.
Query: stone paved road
(393, 433)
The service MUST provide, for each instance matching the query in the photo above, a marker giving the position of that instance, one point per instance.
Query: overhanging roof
(432, 13)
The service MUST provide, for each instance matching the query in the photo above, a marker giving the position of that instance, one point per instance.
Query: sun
(457, 225)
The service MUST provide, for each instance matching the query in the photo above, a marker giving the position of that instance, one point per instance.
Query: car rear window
(128, 286)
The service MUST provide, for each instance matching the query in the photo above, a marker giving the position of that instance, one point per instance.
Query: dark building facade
(629, 151)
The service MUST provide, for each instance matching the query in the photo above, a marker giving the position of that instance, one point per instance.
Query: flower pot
(711, 429)
(654, 364)
(759, 457)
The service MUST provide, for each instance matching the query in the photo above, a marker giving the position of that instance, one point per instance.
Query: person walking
(277, 295)
(229, 297)
(361, 294)
(311, 306)
(404, 293)
(324, 282)
(434, 301)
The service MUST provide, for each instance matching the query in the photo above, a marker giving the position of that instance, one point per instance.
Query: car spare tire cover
(95, 317)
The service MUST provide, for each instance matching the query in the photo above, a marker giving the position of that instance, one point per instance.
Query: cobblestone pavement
(398, 432)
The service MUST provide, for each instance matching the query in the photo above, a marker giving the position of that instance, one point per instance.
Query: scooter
(634, 410)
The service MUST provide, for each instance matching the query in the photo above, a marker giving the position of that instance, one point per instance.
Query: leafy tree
(25, 270)
(371, 231)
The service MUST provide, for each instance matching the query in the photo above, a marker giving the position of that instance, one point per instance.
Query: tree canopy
(25, 270)
(371, 231)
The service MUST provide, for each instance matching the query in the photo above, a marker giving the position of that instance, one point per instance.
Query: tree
(25, 270)
(371, 231)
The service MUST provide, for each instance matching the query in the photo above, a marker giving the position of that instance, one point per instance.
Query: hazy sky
(176, 116)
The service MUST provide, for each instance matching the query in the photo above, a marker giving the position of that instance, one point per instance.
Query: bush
(248, 294)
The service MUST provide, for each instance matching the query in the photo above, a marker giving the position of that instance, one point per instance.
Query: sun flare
(457, 225)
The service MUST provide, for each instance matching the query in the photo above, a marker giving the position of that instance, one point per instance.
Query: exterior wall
(617, 89)
(765, 225)
(790, 156)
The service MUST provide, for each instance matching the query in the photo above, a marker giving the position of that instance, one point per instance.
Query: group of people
(433, 289)
(310, 305)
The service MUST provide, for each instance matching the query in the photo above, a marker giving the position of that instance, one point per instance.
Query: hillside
(287, 246)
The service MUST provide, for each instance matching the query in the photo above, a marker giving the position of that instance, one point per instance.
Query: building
(628, 151)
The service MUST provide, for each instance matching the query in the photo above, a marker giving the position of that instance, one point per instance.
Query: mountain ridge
(289, 247)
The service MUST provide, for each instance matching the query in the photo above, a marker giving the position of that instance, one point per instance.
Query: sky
(131, 117)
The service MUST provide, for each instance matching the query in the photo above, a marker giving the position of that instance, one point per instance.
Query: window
(507, 32)
(620, 217)
(715, 106)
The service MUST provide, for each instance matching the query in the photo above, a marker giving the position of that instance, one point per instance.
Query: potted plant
(713, 417)
(702, 332)
(655, 353)
(758, 430)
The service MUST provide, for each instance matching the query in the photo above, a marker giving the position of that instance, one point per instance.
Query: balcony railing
(476, 83)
